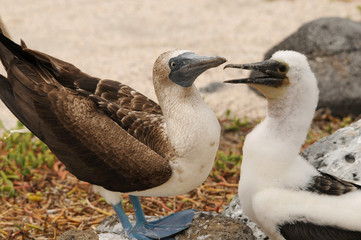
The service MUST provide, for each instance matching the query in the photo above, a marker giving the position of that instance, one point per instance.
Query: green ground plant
(21, 154)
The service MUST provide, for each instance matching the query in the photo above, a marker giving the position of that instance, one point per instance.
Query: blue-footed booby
(112, 136)
(278, 189)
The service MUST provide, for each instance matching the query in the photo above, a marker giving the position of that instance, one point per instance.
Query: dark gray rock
(333, 48)
(211, 87)
(79, 235)
(214, 226)
(205, 226)
(338, 154)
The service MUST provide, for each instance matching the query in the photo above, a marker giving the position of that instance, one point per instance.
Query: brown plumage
(88, 123)
(331, 185)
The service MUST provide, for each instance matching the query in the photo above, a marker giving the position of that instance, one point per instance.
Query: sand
(120, 40)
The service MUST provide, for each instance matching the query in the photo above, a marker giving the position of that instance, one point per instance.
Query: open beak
(192, 66)
(273, 73)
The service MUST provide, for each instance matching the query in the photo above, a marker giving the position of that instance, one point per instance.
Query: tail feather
(32, 77)
(8, 98)
(65, 73)
(21, 91)
(3, 29)
(9, 50)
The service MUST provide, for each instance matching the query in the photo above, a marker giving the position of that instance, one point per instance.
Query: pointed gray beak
(190, 66)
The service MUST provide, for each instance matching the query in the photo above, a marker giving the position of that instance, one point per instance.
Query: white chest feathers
(195, 135)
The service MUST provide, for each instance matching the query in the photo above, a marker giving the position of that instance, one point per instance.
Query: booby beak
(188, 66)
(274, 73)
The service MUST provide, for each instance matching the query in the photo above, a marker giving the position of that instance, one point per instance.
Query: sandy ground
(120, 40)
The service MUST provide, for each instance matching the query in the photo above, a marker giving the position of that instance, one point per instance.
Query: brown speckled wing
(147, 127)
(327, 184)
(98, 139)
(71, 77)
(124, 96)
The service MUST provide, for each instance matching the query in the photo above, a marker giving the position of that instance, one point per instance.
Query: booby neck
(184, 112)
(188, 130)
(172, 98)
(290, 116)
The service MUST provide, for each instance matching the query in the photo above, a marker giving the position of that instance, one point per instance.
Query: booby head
(182, 67)
(284, 72)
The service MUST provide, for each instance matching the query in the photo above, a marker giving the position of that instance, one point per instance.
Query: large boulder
(333, 48)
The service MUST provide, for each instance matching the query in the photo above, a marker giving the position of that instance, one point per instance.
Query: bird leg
(127, 226)
(119, 210)
(159, 229)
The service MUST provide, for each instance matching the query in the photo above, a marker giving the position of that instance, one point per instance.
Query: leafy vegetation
(235, 123)
(21, 155)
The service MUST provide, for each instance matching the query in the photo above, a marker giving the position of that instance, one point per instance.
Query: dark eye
(172, 64)
(282, 69)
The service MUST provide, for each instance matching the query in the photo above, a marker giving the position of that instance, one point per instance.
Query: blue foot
(167, 226)
(163, 228)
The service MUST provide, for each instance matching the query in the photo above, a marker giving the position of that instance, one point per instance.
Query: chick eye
(282, 69)
(172, 64)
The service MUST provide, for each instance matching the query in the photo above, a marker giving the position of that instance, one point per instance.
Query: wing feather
(70, 76)
(100, 129)
(327, 184)
(310, 231)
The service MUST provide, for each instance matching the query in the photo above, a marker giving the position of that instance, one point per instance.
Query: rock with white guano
(234, 210)
(205, 225)
(338, 154)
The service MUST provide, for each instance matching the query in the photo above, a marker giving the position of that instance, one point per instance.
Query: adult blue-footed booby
(279, 190)
(109, 135)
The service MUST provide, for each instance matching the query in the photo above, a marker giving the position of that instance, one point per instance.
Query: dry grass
(41, 200)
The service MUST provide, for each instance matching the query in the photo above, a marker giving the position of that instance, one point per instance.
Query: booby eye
(282, 69)
(172, 64)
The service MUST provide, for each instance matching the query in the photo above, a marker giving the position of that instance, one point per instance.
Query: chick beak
(272, 77)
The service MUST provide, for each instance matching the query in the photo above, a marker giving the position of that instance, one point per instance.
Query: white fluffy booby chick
(112, 136)
(279, 190)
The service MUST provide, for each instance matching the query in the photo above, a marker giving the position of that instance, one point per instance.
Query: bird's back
(105, 132)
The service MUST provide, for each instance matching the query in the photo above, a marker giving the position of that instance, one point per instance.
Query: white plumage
(278, 187)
